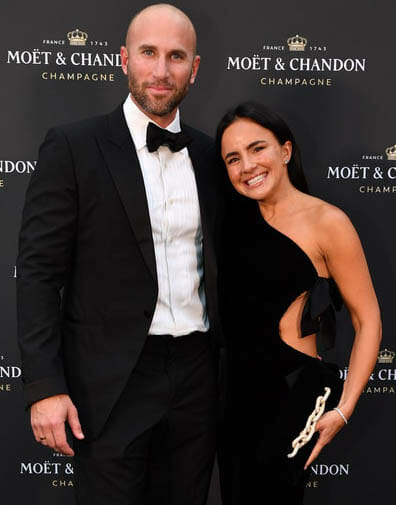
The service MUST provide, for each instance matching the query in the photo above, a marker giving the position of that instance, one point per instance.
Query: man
(117, 307)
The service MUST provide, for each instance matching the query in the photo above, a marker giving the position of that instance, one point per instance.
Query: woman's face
(255, 160)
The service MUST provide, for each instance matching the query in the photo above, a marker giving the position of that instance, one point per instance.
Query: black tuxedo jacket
(86, 272)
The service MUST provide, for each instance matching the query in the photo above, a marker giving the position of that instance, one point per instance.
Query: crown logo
(386, 356)
(297, 43)
(77, 38)
(391, 152)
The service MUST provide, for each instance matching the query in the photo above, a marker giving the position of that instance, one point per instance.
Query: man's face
(159, 62)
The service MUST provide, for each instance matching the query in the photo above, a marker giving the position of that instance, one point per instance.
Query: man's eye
(176, 56)
(148, 52)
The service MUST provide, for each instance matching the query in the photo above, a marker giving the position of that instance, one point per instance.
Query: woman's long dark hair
(268, 119)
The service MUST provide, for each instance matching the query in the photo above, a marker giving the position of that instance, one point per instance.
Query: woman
(289, 261)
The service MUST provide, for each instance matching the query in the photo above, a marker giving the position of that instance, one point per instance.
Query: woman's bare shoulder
(325, 215)
(331, 224)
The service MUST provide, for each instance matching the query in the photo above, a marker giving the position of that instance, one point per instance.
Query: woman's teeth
(256, 179)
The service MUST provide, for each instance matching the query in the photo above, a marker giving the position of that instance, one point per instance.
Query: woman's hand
(327, 426)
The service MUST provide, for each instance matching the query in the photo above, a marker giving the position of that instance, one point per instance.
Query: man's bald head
(160, 60)
(162, 15)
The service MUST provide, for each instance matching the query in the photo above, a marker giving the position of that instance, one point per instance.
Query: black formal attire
(86, 294)
(271, 387)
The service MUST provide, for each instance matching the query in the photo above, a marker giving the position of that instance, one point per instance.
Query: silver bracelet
(341, 414)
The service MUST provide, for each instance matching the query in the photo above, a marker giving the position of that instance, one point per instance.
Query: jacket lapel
(206, 176)
(120, 155)
(206, 185)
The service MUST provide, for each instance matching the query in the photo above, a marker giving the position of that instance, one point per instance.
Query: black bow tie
(157, 136)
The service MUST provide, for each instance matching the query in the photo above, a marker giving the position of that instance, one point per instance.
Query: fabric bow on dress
(319, 312)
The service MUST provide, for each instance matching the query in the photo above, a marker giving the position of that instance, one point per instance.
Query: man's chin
(160, 112)
(159, 107)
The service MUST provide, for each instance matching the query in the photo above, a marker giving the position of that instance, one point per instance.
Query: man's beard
(158, 107)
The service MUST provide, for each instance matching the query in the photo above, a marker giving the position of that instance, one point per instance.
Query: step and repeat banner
(327, 68)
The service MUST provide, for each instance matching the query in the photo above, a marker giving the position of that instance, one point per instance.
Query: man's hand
(48, 418)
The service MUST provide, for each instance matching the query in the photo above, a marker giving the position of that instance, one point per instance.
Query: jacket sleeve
(46, 242)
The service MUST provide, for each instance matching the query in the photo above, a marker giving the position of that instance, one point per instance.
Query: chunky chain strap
(307, 433)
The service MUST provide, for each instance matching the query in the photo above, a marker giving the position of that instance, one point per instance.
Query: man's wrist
(44, 388)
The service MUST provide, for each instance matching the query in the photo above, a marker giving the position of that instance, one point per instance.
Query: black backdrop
(337, 94)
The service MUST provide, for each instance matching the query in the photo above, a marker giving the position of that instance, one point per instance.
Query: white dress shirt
(176, 226)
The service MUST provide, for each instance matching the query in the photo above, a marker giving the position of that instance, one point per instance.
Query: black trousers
(158, 445)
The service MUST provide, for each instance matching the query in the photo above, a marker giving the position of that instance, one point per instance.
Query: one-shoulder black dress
(270, 388)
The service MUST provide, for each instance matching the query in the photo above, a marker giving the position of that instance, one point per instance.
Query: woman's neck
(286, 201)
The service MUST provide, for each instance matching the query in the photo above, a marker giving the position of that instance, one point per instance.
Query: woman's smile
(256, 180)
